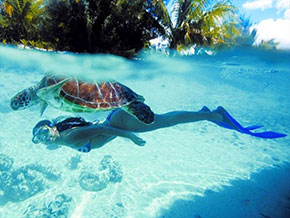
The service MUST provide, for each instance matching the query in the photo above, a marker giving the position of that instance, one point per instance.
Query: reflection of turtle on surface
(74, 95)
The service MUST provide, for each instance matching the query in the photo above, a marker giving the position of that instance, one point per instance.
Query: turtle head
(24, 99)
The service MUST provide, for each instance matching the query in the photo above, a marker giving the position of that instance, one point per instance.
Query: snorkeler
(83, 136)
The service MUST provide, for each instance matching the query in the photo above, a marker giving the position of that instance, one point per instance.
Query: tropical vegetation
(20, 19)
(199, 22)
(116, 27)
(248, 35)
(121, 27)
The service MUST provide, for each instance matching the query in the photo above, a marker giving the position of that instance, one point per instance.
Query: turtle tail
(141, 111)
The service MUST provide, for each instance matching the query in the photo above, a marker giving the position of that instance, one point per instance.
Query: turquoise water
(190, 170)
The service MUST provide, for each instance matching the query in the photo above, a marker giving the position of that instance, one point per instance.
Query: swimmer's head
(43, 132)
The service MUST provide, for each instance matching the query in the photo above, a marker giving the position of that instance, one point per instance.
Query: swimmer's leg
(227, 120)
(179, 117)
(122, 120)
(125, 121)
(205, 109)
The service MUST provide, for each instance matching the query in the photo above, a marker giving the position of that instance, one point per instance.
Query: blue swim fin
(253, 127)
(267, 135)
(246, 130)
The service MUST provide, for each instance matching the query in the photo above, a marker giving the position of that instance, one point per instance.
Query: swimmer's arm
(95, 130)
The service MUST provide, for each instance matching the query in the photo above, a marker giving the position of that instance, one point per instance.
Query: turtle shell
(84, 96)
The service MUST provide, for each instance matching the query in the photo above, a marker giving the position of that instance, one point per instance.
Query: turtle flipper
(47, 93)
(141, 111)
(43, 106)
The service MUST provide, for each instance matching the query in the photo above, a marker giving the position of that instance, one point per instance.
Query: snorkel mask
(41, 131)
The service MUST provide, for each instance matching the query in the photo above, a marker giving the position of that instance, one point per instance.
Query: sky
(271, 18)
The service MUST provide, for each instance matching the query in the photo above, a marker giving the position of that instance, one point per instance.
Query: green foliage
(65, 25)
(196, 22)
(99, 26)
(268, 45)
(37, 44)
(246, 36)
(121, 27)
(19, 19)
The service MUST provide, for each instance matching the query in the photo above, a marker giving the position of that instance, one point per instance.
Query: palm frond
(219, 11)
(162, 13)
(184, 7)
(198, 8)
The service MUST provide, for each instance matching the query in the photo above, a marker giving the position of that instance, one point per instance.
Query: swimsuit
(74, 122)
(110, 115)
(86, 148)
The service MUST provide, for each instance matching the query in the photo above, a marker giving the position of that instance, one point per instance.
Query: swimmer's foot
(137, 140)
(227, 121)
(205, 109)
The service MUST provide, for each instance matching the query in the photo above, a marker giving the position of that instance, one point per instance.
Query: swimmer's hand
(137, 140)
(84, 149)
(52, 147)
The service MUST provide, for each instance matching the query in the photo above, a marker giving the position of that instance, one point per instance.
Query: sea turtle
(74, 95)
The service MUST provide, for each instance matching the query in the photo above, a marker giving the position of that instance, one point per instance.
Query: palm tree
(248, 36)
(19, 19)
(195, 22)
(120, 27)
